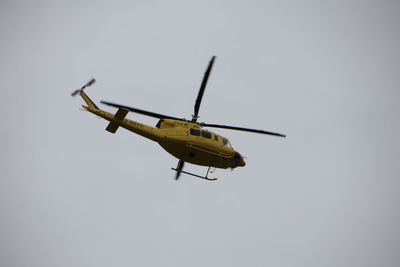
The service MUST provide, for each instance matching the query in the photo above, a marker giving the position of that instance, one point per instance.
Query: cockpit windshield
(226, 142)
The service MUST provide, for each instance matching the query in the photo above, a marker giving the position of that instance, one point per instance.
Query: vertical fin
(88, 101)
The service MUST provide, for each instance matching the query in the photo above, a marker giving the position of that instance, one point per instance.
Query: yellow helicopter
(185, 140)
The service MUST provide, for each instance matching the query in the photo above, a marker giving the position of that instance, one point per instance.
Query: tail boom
(118, 119)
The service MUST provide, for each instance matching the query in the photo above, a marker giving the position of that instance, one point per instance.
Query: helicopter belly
(196, 154)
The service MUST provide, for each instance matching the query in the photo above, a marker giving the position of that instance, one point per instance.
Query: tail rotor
(89, 83)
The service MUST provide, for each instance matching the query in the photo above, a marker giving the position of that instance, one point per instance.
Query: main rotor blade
(179, 168)
(140, 111)
(241, 129)
(202, 88)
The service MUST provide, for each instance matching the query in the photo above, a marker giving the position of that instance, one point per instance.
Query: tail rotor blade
(89, 83)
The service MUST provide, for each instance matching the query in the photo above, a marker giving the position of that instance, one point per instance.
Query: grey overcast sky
(326, 73)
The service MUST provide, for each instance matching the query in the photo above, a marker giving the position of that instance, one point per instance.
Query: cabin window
(195, 132)
(225, 141)
(206, 134)
(216, 138)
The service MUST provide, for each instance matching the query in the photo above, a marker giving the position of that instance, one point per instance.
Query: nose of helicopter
(240, 160)
(242, 163)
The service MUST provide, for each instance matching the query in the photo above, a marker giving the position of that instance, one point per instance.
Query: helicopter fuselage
(184, 140)
(188, 141)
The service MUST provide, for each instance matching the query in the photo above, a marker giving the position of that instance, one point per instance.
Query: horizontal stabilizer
(112, 127)
(119, 116)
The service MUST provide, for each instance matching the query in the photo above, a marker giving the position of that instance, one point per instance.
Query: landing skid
(198, 176)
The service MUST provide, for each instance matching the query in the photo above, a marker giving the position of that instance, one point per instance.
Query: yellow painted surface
(175, 137)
